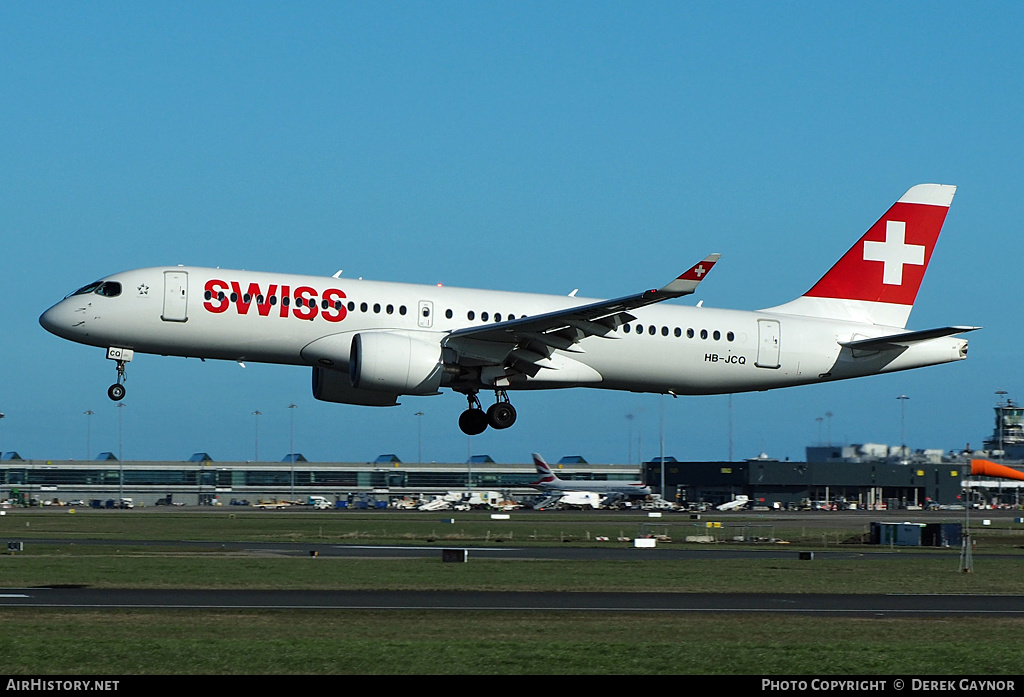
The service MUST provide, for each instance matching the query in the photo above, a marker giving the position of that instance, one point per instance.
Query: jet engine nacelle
(395, 363)
(331, 385)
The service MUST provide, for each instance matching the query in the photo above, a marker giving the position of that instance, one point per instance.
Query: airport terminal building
(774, 484)
(862, 476)
(201, 480)
(768, 483)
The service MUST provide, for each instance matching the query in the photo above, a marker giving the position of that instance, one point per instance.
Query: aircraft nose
(56, 320)
(48, 319)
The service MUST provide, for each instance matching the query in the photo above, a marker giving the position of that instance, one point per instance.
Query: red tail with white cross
(878, 279)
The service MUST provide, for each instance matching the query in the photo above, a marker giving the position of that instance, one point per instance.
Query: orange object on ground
(987, 468)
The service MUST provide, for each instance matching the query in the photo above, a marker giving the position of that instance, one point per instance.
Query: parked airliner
(549, 481)
(370, 342)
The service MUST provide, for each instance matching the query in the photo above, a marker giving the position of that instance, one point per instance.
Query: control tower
(1007, 439)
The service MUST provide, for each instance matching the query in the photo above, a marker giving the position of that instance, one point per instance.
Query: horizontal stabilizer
(880, 343)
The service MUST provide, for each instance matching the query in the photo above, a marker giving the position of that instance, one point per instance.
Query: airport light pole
(629, 451)
(257, 414)
(291, 446)
(120, 451)
(966, 555)
(730, 427)
(1, 442)
(88, 433)
(419, 437)
(640, 437)
(903, 425)
(661, 446)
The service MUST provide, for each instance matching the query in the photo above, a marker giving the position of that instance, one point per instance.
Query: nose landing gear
(499, 415)
(116, 391)
(121, 357)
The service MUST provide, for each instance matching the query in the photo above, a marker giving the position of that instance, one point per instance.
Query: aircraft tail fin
(877, 280)
(544, 470)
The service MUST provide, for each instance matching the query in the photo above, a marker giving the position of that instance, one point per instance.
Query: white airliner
(549, 481)
(370, 342)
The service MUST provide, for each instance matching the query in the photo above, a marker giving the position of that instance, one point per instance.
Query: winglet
(688, 281)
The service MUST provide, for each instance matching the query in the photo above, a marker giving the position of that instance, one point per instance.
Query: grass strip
(143, 568)
(57, 642)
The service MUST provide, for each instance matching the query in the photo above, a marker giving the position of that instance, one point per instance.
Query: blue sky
(526, 146)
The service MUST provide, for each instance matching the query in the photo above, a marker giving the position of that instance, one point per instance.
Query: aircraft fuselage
(307, 320)
(369, 342)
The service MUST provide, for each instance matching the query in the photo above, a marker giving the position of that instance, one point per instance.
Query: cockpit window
(109, 289)
(85, 289)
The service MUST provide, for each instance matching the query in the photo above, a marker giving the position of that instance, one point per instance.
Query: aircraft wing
(528, 341)
(905, 339)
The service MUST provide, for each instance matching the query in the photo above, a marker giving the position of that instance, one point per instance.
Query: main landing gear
(475, 420)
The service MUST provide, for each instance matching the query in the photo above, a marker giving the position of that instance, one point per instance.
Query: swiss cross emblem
(894, 253)
(700, 271)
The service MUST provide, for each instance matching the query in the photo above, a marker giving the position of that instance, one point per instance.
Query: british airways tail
(544, 470)
(877, 280)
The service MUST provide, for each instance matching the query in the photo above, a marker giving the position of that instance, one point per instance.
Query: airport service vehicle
(272, 504)
(740, 502)
(320, 503)
(369, 343)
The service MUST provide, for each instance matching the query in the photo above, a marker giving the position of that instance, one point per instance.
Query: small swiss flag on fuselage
(888, 263)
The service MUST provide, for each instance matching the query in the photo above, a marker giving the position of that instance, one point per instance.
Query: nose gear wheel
(116, 391)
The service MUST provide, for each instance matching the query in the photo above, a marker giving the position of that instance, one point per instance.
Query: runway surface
(849, 605)
(792, 603)
(611, 553)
